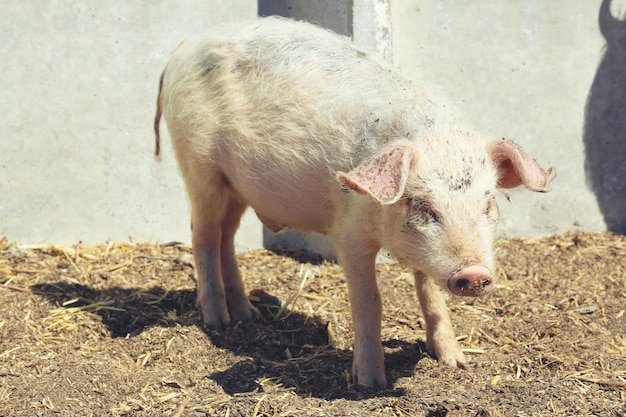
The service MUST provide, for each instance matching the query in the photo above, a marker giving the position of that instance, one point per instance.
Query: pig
(315, 134)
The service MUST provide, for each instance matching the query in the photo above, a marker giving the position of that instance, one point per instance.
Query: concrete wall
(79, 82)
(523, 70)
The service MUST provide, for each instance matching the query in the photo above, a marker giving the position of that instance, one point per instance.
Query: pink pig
(314, 134)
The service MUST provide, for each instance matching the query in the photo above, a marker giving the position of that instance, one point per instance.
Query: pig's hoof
(218, 326)
(368, 381)
(214, 319)
(215, 326)
(368, 389)
(221, 320)
(241, 309)
(451, 357)
(447, 352)
(244, 312)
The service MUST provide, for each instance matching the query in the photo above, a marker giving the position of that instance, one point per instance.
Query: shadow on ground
(293, 350)
(125, 311)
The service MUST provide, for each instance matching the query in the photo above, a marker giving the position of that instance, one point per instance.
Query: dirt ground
(113, 330)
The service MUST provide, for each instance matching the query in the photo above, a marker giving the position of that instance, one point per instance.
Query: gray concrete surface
(80, 80)
(521, 70)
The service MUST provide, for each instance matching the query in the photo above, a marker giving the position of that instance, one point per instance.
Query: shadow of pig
(605, 124)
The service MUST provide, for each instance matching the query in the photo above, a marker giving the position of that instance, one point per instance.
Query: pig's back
(280, 107)
(285, 82)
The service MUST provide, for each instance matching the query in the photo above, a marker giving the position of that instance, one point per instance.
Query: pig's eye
(432, 214)
(421, 211)
(491, 209)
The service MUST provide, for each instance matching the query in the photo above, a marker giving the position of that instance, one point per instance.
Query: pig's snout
(473, 280)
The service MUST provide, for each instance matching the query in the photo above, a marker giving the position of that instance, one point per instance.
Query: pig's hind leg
(440, 338)
(239, 306)
(215, 216)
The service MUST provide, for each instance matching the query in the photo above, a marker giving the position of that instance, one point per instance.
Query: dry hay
(113, 330)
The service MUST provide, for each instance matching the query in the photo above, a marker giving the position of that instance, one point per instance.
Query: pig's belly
(282, 204)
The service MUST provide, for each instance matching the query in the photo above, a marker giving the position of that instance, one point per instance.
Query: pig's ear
(516, 167)
(382, 176)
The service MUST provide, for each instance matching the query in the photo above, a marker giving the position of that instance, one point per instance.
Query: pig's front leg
(368, 365)
(440, 338)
